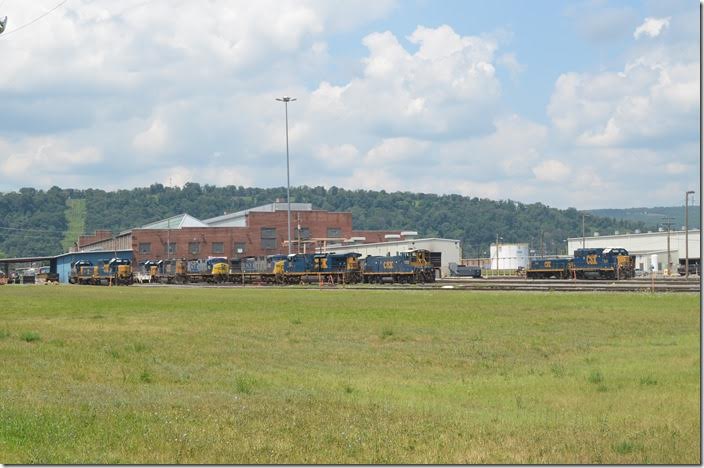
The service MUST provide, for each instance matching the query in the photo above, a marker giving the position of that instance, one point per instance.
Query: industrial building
(256, 232)
(650, 248)
(442, 251)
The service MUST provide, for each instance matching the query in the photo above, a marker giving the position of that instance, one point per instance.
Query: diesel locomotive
(587, 263)
(337, 268)
(116, 271)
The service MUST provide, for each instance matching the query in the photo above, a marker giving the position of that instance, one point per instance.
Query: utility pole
(583, 239)
(542, 244)
(668, 223)
(686, 232)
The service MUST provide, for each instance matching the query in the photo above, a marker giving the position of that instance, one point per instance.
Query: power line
(7, 33)
(37, 230)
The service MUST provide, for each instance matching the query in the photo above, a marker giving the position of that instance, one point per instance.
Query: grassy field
(165, 375)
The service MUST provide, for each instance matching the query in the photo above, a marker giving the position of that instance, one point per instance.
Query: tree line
(33, 222)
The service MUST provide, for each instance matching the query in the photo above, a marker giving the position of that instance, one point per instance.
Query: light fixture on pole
(286, 100)
(3, 24)
(686, 232)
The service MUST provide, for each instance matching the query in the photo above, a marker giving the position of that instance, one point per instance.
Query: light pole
(583, 240)
(286, 100)
(686, 232)
(668, 222)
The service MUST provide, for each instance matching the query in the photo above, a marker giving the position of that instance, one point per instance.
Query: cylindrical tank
(654, 262)
(509, 256)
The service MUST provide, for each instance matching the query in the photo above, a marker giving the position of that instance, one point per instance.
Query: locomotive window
(218, 247)
(145, 247)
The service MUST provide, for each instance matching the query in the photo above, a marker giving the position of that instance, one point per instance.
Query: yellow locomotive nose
(221, 269)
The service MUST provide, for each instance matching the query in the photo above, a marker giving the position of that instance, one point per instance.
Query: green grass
(170, 375)
(76, 220)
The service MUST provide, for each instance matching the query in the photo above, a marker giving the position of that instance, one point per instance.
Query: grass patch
(245, 384)
(4, 334)
(175, 375)
(596, 377)
(30, 336)
(146, 377)
(648, 381)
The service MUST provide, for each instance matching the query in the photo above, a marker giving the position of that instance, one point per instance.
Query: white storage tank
(509, 256)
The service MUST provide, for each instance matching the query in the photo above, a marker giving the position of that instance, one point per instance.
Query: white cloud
(510, 62)
(676, 168)
(344, 156)
(652, 27)
(551, 171)
(647, 102)
(46, 161)
(154, 139)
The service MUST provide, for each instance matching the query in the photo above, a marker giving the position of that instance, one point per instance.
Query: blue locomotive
(541, 268)
(407, 267)
(333, 267)
(588, 263)
(598, 263)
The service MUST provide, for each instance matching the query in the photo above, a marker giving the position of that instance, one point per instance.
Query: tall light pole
(668, 222)
(686, 232)
(583, 240)
(286, 100)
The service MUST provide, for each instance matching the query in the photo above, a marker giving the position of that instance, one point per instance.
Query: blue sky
(589, 104)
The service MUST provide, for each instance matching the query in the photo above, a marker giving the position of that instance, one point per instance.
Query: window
(304, 233)
(193, 248)
(334, 232)
(268, 243)
(145, 247)
(268, 238)
(171, 248)
(239, 247)
(218, 247)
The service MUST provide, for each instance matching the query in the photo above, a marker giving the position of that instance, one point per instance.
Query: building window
(239, 247)
(218, 247)
(334, 232)
(304, 233)
(145, 247)
(171, 248)
(268, 238)
(193, 248)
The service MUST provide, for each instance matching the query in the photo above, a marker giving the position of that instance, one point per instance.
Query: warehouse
(64, 262)
(255, 232)
(650, 248)
(442, 251)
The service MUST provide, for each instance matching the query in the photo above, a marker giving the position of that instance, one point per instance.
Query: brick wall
(99, 235)
(151, 244)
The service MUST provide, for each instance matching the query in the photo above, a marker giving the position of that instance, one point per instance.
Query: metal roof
(270, 207)
(175, 222)
(53, 257)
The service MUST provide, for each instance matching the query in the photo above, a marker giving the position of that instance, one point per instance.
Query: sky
(585, 104)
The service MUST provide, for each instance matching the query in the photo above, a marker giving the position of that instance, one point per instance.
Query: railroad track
(522, 284)
(504, 284)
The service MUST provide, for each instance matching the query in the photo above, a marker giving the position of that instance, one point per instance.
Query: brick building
(255, 232)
